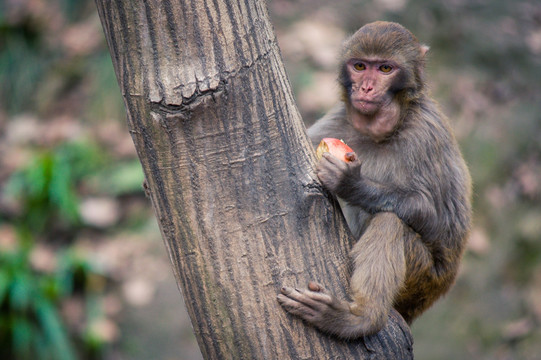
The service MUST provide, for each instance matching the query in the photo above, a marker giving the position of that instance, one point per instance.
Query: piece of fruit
(337, 148)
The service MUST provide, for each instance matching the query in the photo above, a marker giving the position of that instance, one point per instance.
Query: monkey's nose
(366, 88)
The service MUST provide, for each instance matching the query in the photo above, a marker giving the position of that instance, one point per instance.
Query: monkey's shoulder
(333, 124)
(427, 130)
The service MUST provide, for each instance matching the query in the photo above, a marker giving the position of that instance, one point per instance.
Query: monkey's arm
(415, 208)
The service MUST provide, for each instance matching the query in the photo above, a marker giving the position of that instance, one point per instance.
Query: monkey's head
(382, 61)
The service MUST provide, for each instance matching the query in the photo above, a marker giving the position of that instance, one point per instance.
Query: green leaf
(51, 288)
(21, 292)
(4, 284)
(61, 192)
(53, 329)
(22, 338)
(38, 176)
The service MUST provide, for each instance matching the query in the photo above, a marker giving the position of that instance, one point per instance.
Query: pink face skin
(377, 112)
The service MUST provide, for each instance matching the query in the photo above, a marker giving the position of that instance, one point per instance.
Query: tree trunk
(230, 173)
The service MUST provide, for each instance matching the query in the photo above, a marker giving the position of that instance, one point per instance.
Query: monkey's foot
(324, 311)
(308, 304)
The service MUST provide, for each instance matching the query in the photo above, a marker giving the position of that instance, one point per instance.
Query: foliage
(32, 295)
(46, 187)
(31, 326)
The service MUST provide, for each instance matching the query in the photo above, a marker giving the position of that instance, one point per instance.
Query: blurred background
(83, 270)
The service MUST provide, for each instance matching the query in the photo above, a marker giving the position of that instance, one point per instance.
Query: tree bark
(230, 173)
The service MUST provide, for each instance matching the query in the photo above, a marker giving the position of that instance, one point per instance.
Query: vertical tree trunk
(230, 173)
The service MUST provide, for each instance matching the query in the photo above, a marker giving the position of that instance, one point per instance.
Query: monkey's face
(373, 82)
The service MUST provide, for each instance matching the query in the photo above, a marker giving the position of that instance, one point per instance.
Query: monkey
(406, 197)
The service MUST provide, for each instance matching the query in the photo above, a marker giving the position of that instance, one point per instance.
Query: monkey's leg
(379, 268)
(378, 275)
(426, 280)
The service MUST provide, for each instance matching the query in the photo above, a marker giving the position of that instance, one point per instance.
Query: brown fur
(407, 199)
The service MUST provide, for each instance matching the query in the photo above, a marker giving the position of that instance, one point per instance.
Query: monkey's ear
(424, 50)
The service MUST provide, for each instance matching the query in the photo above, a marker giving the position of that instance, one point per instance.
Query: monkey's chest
(384, 170)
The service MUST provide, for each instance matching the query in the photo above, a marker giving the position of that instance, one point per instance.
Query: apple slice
(337, 148)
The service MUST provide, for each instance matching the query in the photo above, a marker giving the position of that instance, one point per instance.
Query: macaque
(406, 197)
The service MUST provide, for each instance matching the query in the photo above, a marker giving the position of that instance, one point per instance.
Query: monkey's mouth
(366, 105)
(362, 101)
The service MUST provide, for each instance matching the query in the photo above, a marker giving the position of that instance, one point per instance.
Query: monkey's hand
(332, 171)
(318, 307)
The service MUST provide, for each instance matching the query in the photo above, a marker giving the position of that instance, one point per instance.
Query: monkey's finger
(356, 163)
(331, 158)
(314, 300)
(314, 286)
(327, 167)
(320, 297)
(351, 156)
(297, 295)
(296, 308)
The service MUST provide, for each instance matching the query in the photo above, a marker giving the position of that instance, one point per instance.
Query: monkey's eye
(385, 68)
(359, 66)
